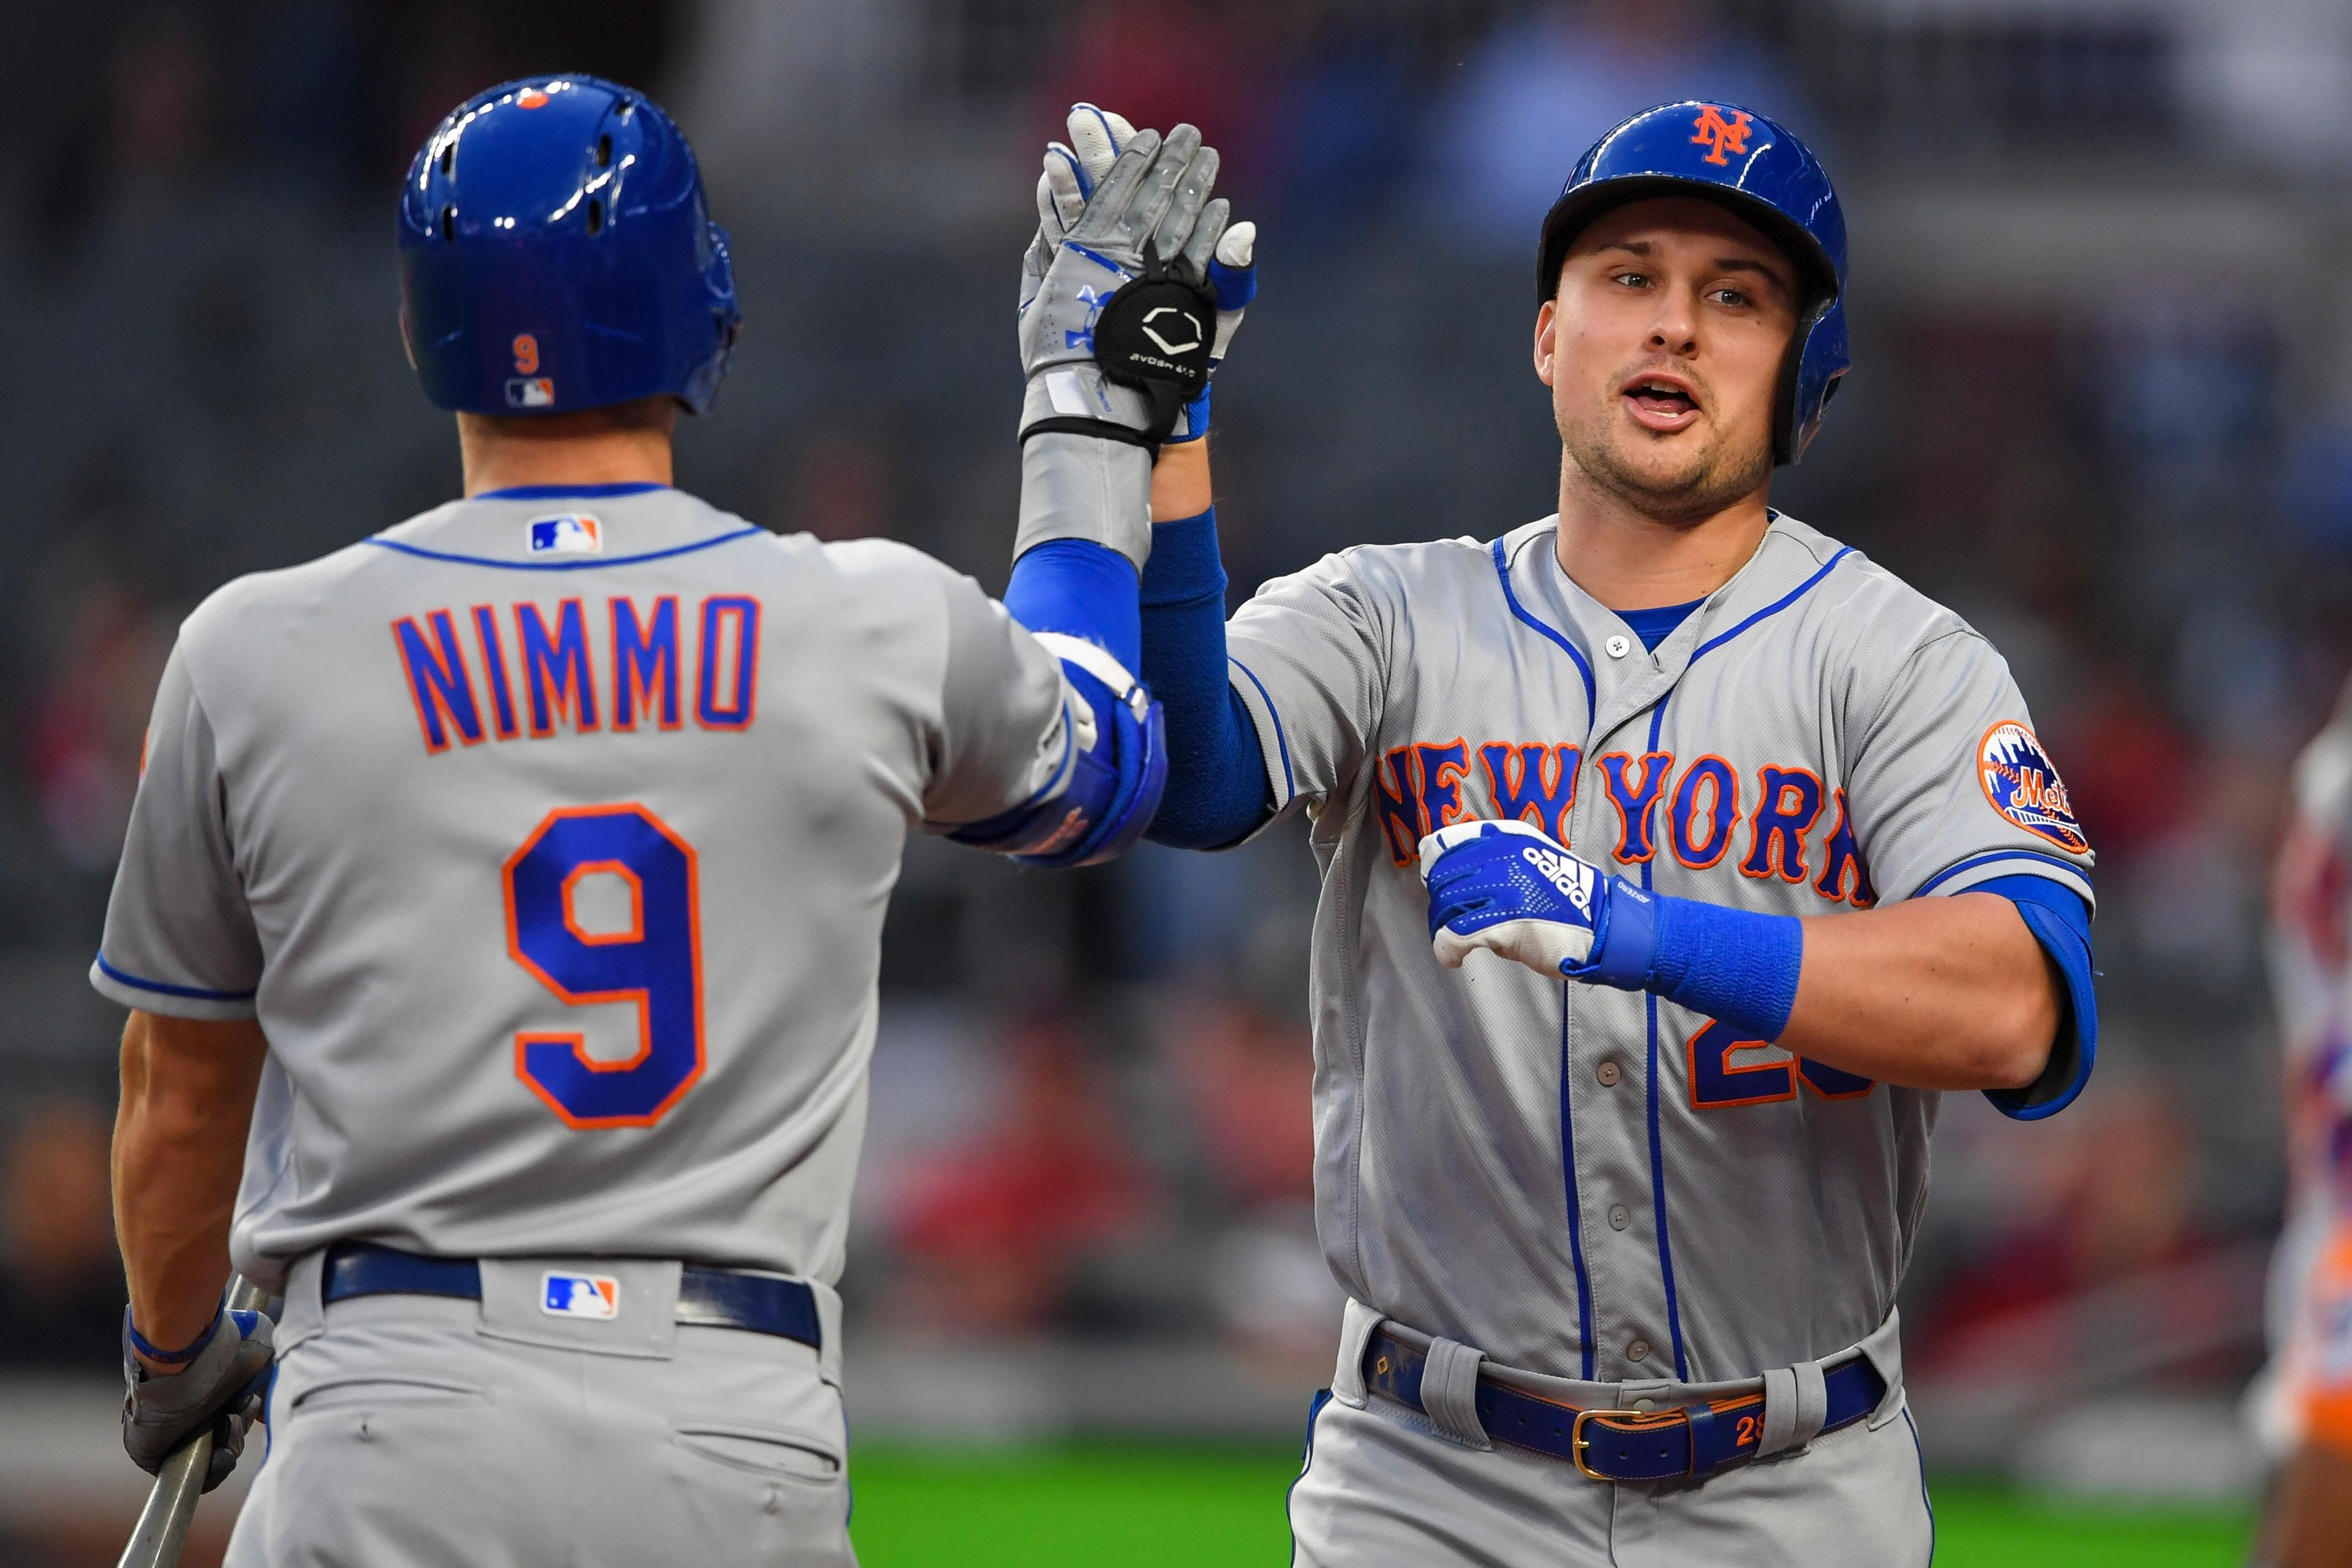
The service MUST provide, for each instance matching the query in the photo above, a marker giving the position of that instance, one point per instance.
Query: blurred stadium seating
(2100, 405)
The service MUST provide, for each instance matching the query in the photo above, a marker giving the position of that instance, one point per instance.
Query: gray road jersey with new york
(1592, 1183)
(549, 838)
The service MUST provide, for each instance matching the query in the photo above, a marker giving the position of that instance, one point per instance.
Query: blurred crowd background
(2100, 405)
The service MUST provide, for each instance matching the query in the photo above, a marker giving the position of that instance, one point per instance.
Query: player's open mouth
(1661, 402)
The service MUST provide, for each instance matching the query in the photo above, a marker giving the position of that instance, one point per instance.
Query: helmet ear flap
(1810, 377)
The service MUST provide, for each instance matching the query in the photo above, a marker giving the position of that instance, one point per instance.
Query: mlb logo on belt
(580, 1296)
(530, 392)
(567, 533)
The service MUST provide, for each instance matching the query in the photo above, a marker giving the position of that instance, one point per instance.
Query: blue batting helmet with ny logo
(1752, 165)
(556, 253)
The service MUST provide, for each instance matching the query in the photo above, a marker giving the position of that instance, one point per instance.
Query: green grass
(1147, 1507)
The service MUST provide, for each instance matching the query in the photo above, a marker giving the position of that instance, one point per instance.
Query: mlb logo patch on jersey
(580, 1296)
(568, 533)
(2023, 786)
(530, 392)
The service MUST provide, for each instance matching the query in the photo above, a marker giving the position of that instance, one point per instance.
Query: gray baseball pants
(1382, 1488)
(424, 1429)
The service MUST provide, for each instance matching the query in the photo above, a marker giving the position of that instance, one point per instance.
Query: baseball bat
(163, 1528)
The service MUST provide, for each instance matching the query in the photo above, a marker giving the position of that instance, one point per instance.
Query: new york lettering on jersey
(1775, 813)
(1666, 1195)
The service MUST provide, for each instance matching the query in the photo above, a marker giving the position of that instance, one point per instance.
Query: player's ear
(1547, 339)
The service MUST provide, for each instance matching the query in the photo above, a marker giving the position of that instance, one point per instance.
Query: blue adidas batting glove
(1513, 889)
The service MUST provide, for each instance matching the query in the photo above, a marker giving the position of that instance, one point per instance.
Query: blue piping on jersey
(557, 492)
(417, 550)
(1592, 697)
(1920, 1451)
(1575, 1209)
(1970, 864)
(1774, 608)
(196, 992)
(1305, 1463)
(1290, 780)
(1658, 1144)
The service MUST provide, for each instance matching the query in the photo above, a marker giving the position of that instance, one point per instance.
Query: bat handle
(163, 1528)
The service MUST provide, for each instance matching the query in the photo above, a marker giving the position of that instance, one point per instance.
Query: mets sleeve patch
(2023, 786)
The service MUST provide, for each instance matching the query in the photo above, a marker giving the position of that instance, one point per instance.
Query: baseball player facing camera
(516, 876)
(1675, 858)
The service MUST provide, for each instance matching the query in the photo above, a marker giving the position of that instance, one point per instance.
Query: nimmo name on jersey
(465, 686)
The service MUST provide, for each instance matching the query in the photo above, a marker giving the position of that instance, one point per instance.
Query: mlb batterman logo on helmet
(2025, 786)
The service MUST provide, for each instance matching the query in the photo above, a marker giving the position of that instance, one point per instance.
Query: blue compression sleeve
(1735, 965)
(2061, 921)
(1741, 967)
(1217, 788)
(1081, 588)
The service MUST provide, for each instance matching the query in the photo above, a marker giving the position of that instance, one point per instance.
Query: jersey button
(1608, 1072)
(1638, 1350)
(1619, 1217)
(1617, 647)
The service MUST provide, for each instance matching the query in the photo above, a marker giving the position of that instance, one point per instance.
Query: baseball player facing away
(1675, 856)
(2302, 1405)
(519, 873)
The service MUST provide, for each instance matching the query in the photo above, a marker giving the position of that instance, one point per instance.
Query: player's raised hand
(1229, 262)
(1511, 888)
(1118, 319)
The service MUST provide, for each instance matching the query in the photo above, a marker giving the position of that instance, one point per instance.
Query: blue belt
(1681, 1442)
(708, 1297)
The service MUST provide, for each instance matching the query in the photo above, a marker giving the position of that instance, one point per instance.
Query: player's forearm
(179, 1152)
(1180, 481)
(1950, 994)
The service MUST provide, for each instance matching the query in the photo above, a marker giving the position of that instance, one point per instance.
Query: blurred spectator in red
(87, 724)
(996, 1232)
(1247, 1067)
(61, 1289)
(2108, 1259)
(2129, 767)
(1249, 1077)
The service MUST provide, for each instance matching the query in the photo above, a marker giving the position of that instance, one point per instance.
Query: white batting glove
(1510, 888)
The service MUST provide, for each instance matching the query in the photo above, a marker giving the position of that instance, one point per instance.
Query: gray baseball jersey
(1591, 1183)
(549, 836)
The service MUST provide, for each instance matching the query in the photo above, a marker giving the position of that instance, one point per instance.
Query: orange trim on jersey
(1683, 812)
(1785, 1070)
(1655, 768)
(1557, 769)
(1437, 810)
(636, 678)
(636, 996)
(637, 932)
(1841, 855)
(559, 687)
(1773, 850)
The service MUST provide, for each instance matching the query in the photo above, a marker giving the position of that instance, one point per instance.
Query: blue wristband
(1734, 965)
(169, 1358)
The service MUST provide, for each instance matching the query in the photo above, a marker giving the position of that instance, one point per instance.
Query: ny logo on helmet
(1719, 135)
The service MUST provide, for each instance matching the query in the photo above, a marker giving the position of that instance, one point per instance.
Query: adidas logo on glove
(1573, 877)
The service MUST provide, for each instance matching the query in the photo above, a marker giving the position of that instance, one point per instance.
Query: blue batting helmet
(1755, 167)
(555, 254)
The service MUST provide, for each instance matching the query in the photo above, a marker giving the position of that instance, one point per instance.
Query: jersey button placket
(1608, 1072)
(1638, 1352)
(1619, 1217)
